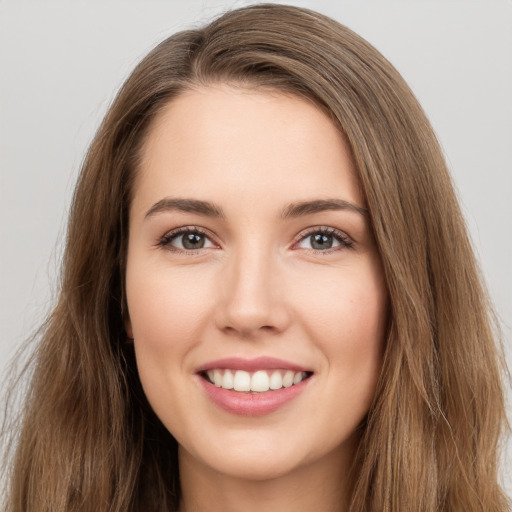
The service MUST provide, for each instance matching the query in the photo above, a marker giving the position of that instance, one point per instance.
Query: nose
(252, 296)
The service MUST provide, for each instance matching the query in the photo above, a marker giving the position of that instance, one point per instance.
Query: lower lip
(252, 404)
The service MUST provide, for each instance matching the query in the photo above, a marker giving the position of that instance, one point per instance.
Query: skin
(258, 287)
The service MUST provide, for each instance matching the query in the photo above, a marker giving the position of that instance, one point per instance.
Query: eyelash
(166, 240)
(344, 241)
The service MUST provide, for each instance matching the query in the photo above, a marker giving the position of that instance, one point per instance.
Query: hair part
(89, 439)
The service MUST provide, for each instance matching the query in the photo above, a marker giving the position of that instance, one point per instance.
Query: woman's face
(251, 264)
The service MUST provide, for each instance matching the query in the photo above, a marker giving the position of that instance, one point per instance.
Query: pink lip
(251, 365)
(251, 404)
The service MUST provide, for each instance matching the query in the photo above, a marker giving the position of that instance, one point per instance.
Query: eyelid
(345, 241)
(164, 241)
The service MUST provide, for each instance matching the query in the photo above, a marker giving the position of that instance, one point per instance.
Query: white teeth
(288, 379)
(227, 380)
(259, 382)
(217, 378)
(298, 377)
(276, 380)
(242, 381)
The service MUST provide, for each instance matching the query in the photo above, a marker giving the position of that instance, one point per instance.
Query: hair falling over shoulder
(87, 440)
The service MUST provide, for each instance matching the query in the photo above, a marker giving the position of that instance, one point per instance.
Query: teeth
(298, 377)
(288, 378)
(242, 381)
(258, 382)
(276, 380)
(217, 378)
(228, 381)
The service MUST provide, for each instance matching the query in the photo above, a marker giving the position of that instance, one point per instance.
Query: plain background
(62, 62)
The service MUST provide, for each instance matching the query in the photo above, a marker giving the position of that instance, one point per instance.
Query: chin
(259, 455)
(256, 468)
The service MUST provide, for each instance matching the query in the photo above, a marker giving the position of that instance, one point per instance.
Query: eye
(324, 239)
(186, 239)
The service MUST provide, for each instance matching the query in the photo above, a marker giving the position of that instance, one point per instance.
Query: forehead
(249, 145)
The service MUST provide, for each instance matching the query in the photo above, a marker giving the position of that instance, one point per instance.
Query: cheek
(348, 304)
(346, 314)
(167, 309)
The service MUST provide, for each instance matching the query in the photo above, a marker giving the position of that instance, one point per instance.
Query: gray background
(61, 63)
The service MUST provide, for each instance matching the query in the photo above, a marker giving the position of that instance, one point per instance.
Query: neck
(323, 486)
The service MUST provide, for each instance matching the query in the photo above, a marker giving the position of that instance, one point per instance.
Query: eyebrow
(320, 205)
(186, 205)
(293, 210)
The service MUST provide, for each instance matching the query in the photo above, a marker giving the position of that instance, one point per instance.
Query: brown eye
(320, 241)
(192, 241)
(323, 239)
(186, 240)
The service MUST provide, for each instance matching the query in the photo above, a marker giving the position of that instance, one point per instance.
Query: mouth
(253, 387)
(259, 381)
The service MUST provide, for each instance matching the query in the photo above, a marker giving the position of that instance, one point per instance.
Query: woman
(268, 298)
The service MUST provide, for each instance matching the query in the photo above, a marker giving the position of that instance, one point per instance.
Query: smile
(259, 381)
(253, 387)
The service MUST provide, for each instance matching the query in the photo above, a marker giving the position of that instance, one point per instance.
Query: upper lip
(252, 365)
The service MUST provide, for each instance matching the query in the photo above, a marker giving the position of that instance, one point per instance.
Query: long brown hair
(88, 440)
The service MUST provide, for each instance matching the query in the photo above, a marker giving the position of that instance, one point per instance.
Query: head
(426, 371)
